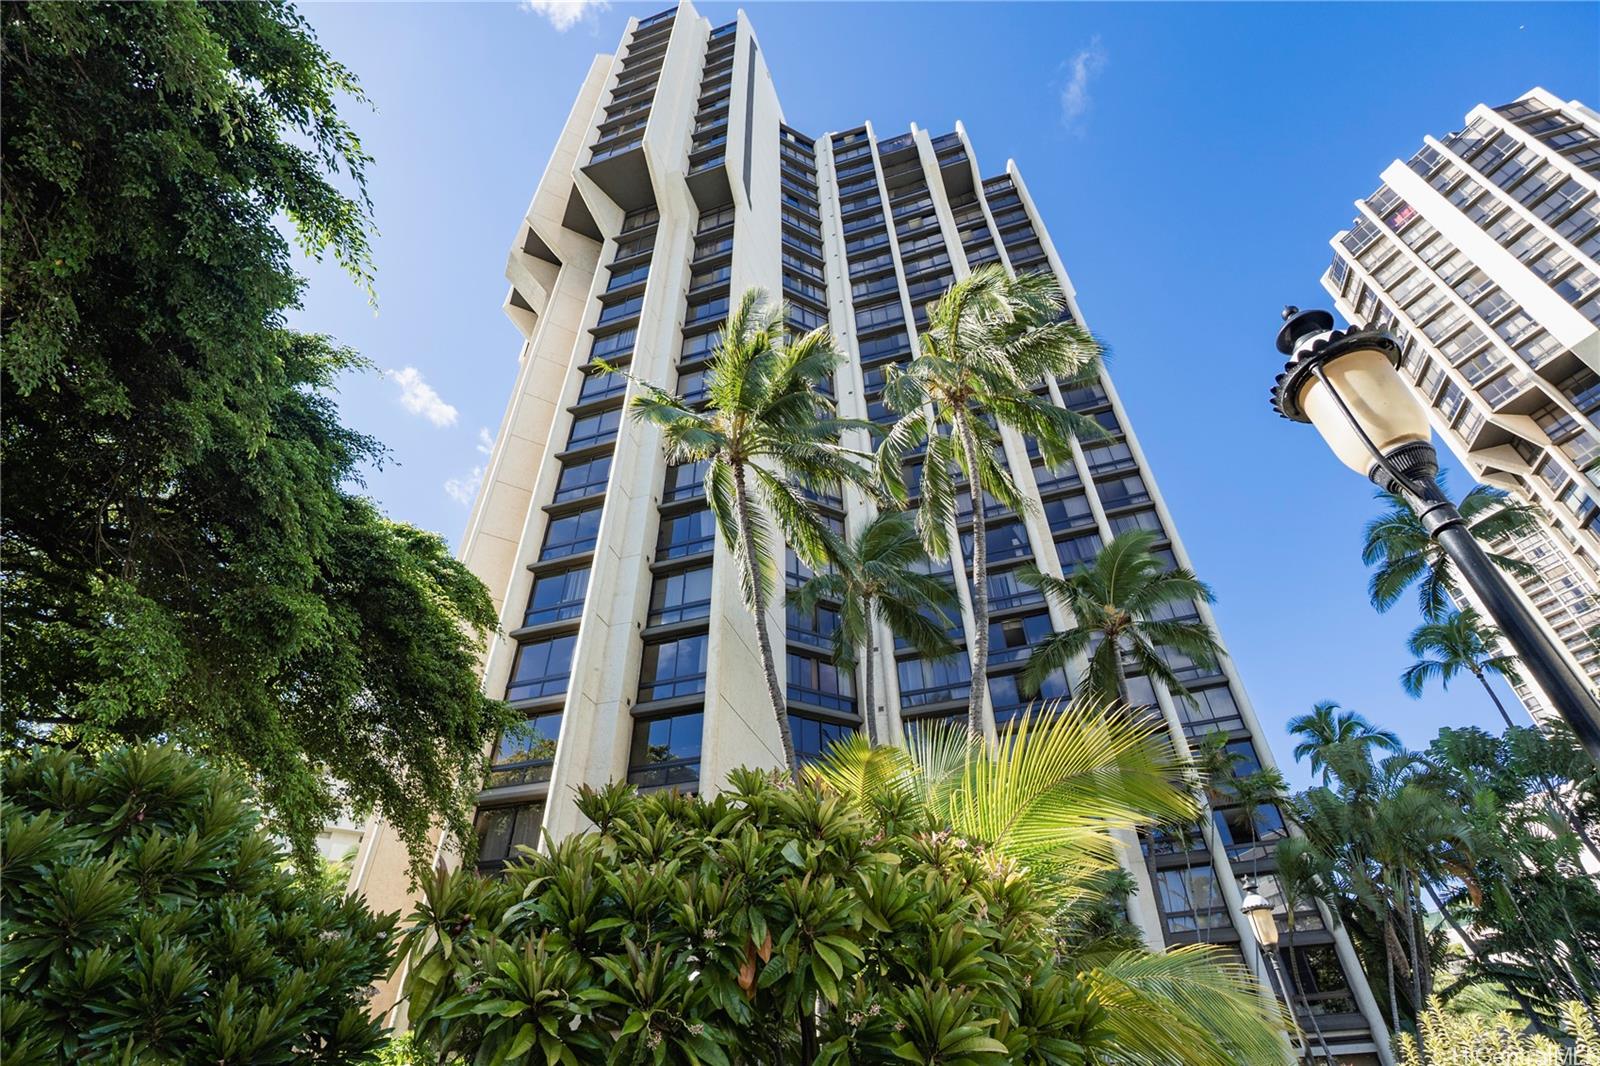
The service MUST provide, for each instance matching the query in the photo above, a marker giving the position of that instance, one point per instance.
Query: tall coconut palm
(1043, 804)
(1398, 546)
(1304, 875)
(767, 435)
(1328, 728)
(1212, 767)
(1458, 642)
(878, 577)
(1120, 605)
(989, 341)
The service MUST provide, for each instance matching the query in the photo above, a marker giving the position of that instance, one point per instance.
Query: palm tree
(878, 578)
(1303, 875)
(1211, 765)
(767, 435)
(1398, 545)
(1460, 641)
(990, 339)
(1119, 602)
(1328, 728)
(1046, 800)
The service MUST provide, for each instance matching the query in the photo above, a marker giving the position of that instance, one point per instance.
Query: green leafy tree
(1462, 643)
(768, 435)
(1467, 827)
(879, 577)
(856, 916)
(183, 553)
(1525, 908)
(1122, 604)
(1402, 554)
(991, 339)
(148, 918)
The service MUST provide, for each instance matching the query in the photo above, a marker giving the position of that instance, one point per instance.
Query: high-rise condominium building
(1482, 255)
(674, 187)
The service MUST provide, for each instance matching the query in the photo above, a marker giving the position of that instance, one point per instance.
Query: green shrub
(784, 923)
(147, 918)
(1453, 1039)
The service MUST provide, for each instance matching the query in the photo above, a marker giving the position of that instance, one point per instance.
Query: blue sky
(1191, 162)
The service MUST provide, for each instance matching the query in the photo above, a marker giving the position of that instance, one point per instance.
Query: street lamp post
(1264, 926)
(1347, 385)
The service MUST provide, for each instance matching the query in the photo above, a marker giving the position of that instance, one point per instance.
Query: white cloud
(464, 489)
(564, 14)
(1084, 67)
(418, 397)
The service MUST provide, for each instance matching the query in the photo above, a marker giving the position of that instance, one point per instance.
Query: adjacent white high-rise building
(1482, 255)
(675, 186)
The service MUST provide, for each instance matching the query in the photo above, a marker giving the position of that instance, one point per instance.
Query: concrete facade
(675, 186)
(1482, 255)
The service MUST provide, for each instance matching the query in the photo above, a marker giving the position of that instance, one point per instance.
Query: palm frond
(1188, 1005)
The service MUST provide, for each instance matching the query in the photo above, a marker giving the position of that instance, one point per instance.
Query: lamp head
(1258, 909)
(1338, 377)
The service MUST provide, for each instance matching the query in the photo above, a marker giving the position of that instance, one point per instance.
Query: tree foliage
(184, 552)
(1472, 829)
(769, 437)
(1127, 606)
(852, 917)
(1454, 1039)
(147, 918)
(1402, 554)
(991, 340)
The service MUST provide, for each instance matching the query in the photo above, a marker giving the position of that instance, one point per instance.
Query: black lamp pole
(1410, 471)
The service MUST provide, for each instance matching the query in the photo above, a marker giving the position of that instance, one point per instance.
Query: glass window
(622, 309)
(597, 387)
(1213, 707)
(1075, 551)
(812, 738)
(1122, 491)
(673, 668)
(541, 669)
(571, 534)
(1191, 899)
(613, 345)
(1006, 541)
(1069, 512)
(583, 478)
(815, 627)
(707, 310)
(1006, 590)
(1107, 457)
(820, 683)
(680, 597)
(722, 216)
(503, 830)
(557, 597)
(685, 481)
(525, 752)
(925, 681)
(686, 534)
(666, 752)
(1009, 698)
(591, 430)
(1011, 639)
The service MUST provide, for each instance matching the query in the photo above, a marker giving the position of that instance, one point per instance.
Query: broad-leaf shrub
(773, 923)
(145, 917)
